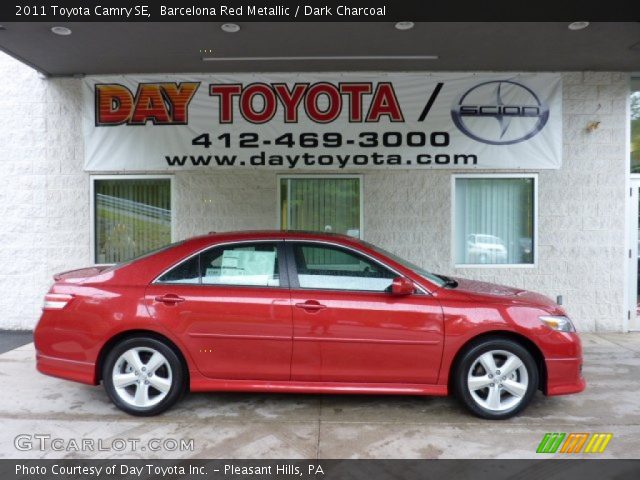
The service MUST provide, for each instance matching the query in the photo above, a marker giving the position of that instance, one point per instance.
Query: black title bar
(315, 10)
(113, 469)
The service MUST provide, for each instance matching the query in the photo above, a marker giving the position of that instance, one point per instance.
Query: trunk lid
(80, 274)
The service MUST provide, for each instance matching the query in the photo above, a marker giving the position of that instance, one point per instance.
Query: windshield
(432, 277)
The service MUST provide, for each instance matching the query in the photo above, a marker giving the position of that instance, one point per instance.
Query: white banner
(301, 121)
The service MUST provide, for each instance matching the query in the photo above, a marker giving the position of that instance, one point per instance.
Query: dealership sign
(333, 121)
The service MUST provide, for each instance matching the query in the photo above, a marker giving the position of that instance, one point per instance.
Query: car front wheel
(496, 378)
(143, 376)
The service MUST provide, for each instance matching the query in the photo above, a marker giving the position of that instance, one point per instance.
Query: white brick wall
(44, 201)
(44, 195)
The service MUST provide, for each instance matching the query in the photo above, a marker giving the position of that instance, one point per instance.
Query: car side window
(243, 264)
(188, 272)
(333, 268)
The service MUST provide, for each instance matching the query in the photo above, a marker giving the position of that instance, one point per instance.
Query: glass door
(634, 210)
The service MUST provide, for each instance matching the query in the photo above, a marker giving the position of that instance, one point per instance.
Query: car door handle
(169, 299)
(311, 305)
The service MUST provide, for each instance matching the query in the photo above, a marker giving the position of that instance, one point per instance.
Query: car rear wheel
(143, 376)
(496, 378)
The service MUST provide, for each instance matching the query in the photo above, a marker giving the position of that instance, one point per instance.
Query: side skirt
(204, 384)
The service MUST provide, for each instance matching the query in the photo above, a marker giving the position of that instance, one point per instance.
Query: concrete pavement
(10, 339)
(236, 425)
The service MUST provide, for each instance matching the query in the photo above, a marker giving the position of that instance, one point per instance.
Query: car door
(230, 305)
(348, 328)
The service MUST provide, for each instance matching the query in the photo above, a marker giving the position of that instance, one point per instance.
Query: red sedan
(305, 313)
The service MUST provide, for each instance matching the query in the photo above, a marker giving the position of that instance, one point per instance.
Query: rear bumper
(83, 372)
(564, 376)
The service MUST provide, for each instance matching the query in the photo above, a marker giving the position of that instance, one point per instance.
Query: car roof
(284, 234)
(248, 235)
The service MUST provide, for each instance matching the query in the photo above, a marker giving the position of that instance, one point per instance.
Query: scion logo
(500, 112)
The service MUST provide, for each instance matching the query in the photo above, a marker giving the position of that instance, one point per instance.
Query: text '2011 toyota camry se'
(306, 313)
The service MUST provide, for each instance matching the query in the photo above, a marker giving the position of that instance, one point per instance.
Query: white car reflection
(484, 248)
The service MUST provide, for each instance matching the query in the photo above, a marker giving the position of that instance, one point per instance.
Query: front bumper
(564, 376)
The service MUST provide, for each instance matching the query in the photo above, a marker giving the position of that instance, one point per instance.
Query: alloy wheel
(498, 380)
(142, 377)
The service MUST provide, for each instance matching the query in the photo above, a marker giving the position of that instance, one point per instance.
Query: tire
(143, 376)
(486, 390)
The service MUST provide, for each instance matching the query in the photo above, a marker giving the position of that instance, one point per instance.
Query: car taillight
(56, 301)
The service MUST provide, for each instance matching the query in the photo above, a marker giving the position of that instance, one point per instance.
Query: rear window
(144, 255)
(243, 264)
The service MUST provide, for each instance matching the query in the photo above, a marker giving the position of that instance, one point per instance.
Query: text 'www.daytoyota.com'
(301, 145)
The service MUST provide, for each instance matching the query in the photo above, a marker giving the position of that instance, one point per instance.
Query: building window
(131, 216)
(635, 125)
(494, 220)
(321, 204)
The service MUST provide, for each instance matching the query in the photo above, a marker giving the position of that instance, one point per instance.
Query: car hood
(503, 292)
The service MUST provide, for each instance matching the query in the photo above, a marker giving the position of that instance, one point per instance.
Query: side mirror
(402, 286)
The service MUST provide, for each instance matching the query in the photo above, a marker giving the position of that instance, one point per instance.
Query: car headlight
(558, 322)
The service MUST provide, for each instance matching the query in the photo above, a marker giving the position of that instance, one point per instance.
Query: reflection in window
(635, 125)
(329, 268)
(494, 220)
(132, 216)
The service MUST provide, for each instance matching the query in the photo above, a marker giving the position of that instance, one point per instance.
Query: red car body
(293, 340)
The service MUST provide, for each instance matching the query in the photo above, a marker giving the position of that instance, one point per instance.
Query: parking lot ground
(10, 339)
(261, 426)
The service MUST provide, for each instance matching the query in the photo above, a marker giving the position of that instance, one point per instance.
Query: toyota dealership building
(461, 157)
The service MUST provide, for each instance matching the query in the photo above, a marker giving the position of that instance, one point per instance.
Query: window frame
(292, 268)
(92, 206)
(279, 179)
(535, 242)
(283, 268)
(631, 237)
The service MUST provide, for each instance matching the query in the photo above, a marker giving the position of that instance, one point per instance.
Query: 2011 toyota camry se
(306, 313)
